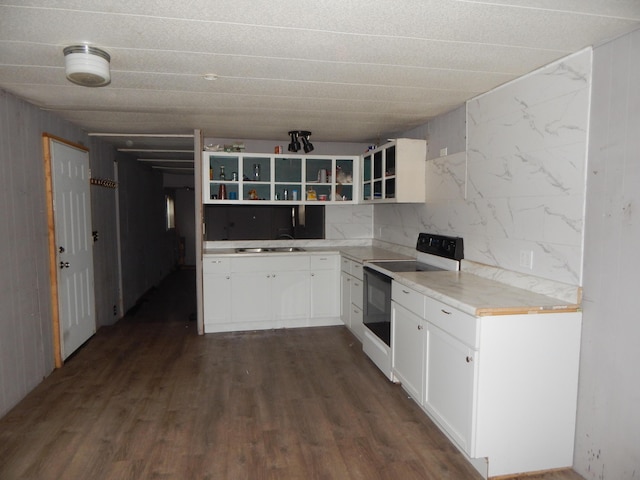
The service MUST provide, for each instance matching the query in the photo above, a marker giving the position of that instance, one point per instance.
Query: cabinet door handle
(268, 276)
(420, 327)
(405, 291)
(445, 312)
(313, 274)
(227, 277)
(356, 284)
(469, 359)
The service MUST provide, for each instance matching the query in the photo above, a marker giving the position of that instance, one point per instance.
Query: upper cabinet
(392, 173)
(395, 172)
(278, 178)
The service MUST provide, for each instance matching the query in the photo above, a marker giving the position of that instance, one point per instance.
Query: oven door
(377, 304)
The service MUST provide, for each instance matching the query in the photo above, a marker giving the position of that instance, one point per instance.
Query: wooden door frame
(51, 228)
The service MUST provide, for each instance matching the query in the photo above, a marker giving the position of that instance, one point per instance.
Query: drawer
(357, 292)
(216, 264)
(356, 270)
(408, 298)
(460, 325)
(324, 262)
(351, 267)
(345, 265)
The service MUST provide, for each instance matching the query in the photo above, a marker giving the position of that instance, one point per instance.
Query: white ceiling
(348, 70)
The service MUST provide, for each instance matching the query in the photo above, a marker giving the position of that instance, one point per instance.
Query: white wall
(520, 185)
(608, 431)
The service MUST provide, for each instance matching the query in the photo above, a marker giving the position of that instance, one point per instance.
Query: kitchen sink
(267, 250)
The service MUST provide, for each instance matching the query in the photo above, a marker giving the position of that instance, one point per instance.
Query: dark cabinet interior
(263, 222)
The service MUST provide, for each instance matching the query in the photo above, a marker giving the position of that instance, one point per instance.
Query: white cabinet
(450, 384)
(217, 291)
(351, 281)
(254, 292)
(270, 288)
(408, 352)
(325, 291)
(240, 177)
(408, 339)
(503, 387)
(395, 172)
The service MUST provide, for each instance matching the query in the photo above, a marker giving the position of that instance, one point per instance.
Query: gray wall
(608, 433)
(26, 351)
(26, 344)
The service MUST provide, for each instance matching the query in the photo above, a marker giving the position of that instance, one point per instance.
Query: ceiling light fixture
(303, 135)
(87, 66)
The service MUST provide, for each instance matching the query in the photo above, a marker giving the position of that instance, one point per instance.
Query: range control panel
(441, 245)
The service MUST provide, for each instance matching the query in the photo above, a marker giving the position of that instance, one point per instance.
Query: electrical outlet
(443, 152)
(526, 259)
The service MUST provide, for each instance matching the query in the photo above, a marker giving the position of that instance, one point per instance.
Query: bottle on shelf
(222, 176)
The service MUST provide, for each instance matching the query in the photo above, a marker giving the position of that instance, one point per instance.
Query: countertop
(359, 254)
(480, 296)
(469, 293)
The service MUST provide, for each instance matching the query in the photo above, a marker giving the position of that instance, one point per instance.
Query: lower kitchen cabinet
(450, 384)
(254, 292)
(325, 293)
(216, 281)
(351, 284)
(502, 387)
(408, 359)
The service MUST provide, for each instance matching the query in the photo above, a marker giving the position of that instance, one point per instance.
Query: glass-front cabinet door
(395, 172)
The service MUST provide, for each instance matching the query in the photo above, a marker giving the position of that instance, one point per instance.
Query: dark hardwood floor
(150, 399)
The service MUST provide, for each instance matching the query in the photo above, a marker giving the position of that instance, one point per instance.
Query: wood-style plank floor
(150, 399)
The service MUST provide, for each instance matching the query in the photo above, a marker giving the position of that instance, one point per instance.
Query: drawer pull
(405, 291)
(445, 312)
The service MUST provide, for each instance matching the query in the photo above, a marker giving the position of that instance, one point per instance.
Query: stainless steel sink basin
(267, 250)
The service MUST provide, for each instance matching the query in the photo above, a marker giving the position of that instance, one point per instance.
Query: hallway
(150, 399)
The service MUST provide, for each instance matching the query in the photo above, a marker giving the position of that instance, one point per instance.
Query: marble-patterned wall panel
(399, 224)
(446, 178)
(522, 186)
(558, 122)
(526, 170)
(552, 81)
(348, 221)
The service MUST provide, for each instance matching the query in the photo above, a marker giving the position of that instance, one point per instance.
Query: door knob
(61, 249)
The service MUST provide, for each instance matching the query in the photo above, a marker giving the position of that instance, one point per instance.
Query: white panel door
(74, 245)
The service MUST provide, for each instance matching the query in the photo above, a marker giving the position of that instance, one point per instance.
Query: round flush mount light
(87, 66)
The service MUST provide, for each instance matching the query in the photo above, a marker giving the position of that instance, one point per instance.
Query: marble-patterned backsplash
(519, 189)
